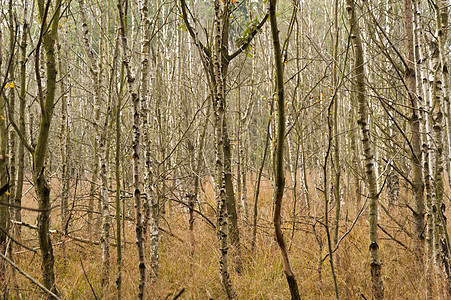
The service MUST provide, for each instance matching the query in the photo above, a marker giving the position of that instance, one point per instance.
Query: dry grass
(262, 276)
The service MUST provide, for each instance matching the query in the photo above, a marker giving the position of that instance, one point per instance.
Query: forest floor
(189, 261)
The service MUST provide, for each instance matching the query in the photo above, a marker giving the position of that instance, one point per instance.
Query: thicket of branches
(131, 129)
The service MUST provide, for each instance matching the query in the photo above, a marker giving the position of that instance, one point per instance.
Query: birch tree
(438, 96)
(370, 176)
(226, 58)
(99, 146)
(410, 77)
(152, 201)
(216, 61)
(132, 89)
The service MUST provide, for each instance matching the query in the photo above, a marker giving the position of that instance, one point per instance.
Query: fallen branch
(178, 294)
(83, 240)
(29, 277)
(52, 231)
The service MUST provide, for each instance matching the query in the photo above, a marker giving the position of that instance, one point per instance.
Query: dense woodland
(234, 149)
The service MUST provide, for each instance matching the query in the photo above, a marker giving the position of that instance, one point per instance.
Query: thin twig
(362, 209)
(392, 237)
(396, 221)
(179, 294)
(87, 279)
(16, 241)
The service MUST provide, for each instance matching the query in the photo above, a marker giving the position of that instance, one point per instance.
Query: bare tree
(48, 36)
(370, 175)
(136, 151)
(279, 176)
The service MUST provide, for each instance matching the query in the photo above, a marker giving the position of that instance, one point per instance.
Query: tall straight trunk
(64, 137)
(105, 208)
(224, 60)
(158, 200)
(219, 123)
(370, 174)
(392, 175)
(117, 172)
(423, 91)
(243, 157)
(12, 139)
(190, 196)
(242, 154)
(279, 176)
(12, 104)
(336, 151)
(239, 152)
(441, 240)
(94, 69)
(441, 15)
(22, 104)
(125, 204)
(152, 202)
(4, 182)
(326, 200)
(417, 169)
(99, 151)
(118, 198)
(48, 38)
(442, 12)
(136, 152)
(429, 270)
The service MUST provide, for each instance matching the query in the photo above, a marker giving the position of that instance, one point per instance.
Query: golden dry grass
(262, 277)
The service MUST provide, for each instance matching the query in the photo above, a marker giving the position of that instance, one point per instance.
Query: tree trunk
(220, 127)
(117, 165)
(359, 83)
(336, 151)
(424, 93)
(279, 176)
(418, 185)
(100, 157)
(441, 240)
(4, 183)
(12, 133)
(23, 100)
(47, 102)
(94, 69)
(136, 152)
(105, 205)
(152, 202)
(441, 11)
